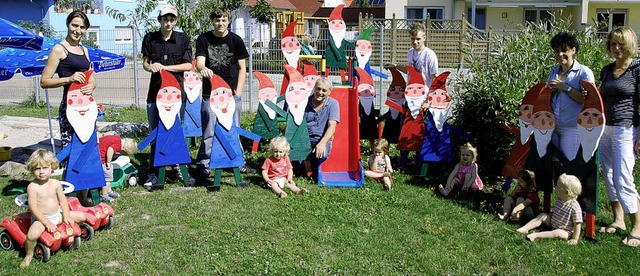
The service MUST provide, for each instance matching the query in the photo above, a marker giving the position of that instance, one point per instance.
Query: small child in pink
(464, 173)
(277, 170)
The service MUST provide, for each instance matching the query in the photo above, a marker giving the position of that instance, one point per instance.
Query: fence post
(463, 31)
(394, 38)
(36, 85)
(381, 62)
(250, 67)
(136, 87)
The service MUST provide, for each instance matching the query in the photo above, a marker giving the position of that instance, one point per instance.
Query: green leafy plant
(262, 11)
(491, 91)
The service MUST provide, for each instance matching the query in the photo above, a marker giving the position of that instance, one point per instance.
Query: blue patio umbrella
(32, 62)
(14, 36)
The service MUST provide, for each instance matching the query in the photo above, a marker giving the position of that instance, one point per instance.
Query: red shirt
(106, 142)
(277, 168)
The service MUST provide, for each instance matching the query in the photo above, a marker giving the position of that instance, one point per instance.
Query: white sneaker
(151, 181)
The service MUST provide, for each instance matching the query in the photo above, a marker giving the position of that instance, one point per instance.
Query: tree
(262, 11)
(364, 3)
(138, 17)
(492, 90)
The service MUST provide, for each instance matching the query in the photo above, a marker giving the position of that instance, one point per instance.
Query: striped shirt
(619, 95)
(565, 214)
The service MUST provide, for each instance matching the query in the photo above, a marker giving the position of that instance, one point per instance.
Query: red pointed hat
(309, 69)
(265, 82)
(168, 79)
(397, 78)
(543, 101)
(364, 76)
(217, 81)
(592, 100)
(336, 14)
(290, 29)
(440, 81)
(294, 75)
(75, 85)
(414, 75)
(533, 93)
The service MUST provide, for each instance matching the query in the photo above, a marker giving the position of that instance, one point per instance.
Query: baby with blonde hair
(465, 173)
(380, 164)
(566, 215)
(277, 170)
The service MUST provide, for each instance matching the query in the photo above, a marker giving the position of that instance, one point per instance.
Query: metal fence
(390, 41)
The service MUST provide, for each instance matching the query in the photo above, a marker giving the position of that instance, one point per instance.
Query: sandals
(631, 237)
(616, 229)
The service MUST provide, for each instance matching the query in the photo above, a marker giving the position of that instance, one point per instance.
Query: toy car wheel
(77, 241)
(42, 252)
(86, 231)
(6, 240)
(109, 223)
(133, 181)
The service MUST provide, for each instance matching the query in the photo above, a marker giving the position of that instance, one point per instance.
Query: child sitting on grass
(464, 173)
(566, 215)
(380, 164)
(47, 202)
(109, 145)
(523, 203)
(277, 170)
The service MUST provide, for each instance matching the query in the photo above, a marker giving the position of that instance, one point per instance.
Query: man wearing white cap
(164, 50)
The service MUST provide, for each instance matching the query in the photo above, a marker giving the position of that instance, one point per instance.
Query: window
(610, 18)
(123, 34)
(537, 16)
(92, 37)
(481, 18)
(422, 12)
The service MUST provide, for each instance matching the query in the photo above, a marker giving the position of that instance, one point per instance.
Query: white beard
(525, 131)
(225, 118)
(193, 91)
(338, 36)
(366, 103)
(83, 125)
(168, 118)
(589, 140)
(298, 111)
(292, 59)
(395, 113)
(439, 117)
(270, 112)
(542, 141)
(414, 104)
(362, 61)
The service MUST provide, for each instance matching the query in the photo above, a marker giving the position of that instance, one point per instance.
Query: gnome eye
(290, 88)
(586, 114)
(401, 89)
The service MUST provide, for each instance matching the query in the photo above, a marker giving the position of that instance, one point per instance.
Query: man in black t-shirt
(223, 53)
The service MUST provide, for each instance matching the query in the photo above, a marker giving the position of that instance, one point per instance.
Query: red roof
(276, 4)
(307, 6)
(351, 15)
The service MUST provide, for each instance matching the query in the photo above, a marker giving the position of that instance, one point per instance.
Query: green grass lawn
(408, 230)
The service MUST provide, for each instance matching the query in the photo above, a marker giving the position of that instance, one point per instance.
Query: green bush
(491, 91)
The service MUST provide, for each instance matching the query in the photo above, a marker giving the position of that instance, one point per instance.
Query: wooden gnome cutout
(335, 54)
(543, 121)
(367, 113)
(439, 100)
(265, 123)
(170, 147)
(520, 150)
(192, 121)
(296, 131)
(591, 121)
(310, 75)
(290, 45)
(393, 118)
(364, 50)
(226, 150)
(84, 166)
(412, 131)
(82, 110)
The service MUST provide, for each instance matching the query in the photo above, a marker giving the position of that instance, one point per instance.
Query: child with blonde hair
(46, 201)
(523, 202)
(277, 170)
(108, 146)
(380, 164)
(566, 215)
(464, 173)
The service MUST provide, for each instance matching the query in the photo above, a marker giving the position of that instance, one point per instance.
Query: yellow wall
(633, 13)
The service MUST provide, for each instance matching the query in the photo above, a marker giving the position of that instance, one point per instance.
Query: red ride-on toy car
(98, 217)
(16, 229)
